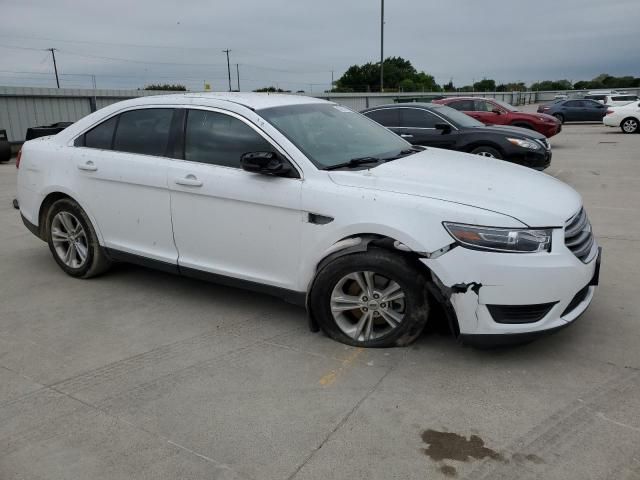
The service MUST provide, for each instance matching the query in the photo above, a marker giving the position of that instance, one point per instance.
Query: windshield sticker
(342, 109)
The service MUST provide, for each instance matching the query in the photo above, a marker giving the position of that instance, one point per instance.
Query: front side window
(102, 135)
(416, 118)
(484, 106)
(330, 134)
(462, 105)
(220, 139)
(144, 131)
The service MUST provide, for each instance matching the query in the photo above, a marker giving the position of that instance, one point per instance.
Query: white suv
(310, 201)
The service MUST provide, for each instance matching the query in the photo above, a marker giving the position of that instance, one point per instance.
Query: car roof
(427, 106)
(252, 100)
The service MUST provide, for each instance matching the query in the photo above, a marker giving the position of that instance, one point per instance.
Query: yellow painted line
(332, 376)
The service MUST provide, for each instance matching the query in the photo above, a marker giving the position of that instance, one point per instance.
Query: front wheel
(73, 241)
(559, 116)
(485, 151)
(370, 299)
(629, 125)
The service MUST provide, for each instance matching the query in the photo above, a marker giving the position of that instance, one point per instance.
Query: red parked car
(495, 112)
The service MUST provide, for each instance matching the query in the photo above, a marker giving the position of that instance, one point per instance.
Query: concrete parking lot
(140, 374)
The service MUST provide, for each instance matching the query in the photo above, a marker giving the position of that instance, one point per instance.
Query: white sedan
(310, 201)
(627, 117)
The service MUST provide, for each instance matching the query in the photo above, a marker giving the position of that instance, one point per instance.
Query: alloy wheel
(69, 240)
(486, 154)
(367, 305)
(630, 125)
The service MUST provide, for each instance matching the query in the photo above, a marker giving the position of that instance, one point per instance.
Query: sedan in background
(575, 110)
(434, 125)
(619, 100)
(495, 112)
(626, 117)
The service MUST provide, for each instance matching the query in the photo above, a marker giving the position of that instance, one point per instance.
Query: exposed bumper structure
(543, 292)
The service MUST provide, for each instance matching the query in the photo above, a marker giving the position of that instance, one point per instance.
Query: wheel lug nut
(376, 296)
(365, 309)
(383, 305)
(364, 299)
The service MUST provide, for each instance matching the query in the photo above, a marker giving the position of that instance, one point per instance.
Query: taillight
(18, 157)
(609, 112)
(546, 108)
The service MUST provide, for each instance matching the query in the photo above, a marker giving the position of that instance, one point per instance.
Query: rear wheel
(559, 116)
(370, 299)
(629, 125)
(73, 241)
(486, 151)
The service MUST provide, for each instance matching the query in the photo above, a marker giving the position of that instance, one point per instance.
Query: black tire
(559, 116)
(385, 266)
(95, 261)
(487, 151)
(629, 125)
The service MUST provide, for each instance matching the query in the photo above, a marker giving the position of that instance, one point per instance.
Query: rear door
(121, 169)
(572, 110)
(388, 117)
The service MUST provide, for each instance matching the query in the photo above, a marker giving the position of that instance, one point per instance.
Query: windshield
(505, 105)
(459, 119)
(330, 134)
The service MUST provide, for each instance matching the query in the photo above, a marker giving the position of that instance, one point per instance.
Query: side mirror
(444, 127)
(496, 111)
(266, 163)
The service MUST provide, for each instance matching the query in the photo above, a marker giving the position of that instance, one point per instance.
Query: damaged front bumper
(500, 298)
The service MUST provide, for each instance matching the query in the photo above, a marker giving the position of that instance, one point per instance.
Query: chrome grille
(578, 236)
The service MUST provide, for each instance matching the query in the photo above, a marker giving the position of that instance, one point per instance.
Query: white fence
(24, 107)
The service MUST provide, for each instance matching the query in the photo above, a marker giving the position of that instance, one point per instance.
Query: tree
(485, 85)
(166, 87)
(511, 87)
(272, 90)
(399, 74)
(552, 85)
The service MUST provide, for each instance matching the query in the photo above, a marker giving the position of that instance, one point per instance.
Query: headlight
(515, 240)
(521, 142)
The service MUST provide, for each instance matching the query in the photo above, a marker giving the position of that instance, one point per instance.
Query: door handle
(88, 166)
(189, 181)
(406, 135)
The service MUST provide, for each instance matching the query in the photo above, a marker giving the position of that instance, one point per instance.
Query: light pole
(381, 46)
(55, 67)
(228, 66)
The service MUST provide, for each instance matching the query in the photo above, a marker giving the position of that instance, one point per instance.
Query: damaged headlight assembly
(495, 239)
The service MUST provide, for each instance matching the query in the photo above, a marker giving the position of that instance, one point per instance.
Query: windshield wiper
(354, 162)
(404, 153)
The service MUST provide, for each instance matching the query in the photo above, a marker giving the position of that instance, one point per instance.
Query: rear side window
(144, 131)
(572, 103)
(389, 117)
(625, 98)
(416, 118)
(220, 139)
(102, 135)
(462, 105)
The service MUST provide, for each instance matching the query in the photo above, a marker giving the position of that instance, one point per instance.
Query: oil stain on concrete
(442, 446)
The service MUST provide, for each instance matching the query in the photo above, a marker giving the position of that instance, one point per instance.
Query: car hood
(509, 130)
(532, 197)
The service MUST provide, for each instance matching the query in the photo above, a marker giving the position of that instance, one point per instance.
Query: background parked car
(619, 99)
(495, 112)
(43, 131)
(440, 126)
(575, 110)
(5, 147)
(626, 117)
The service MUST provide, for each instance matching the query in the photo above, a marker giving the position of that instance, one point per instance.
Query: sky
(297, 44)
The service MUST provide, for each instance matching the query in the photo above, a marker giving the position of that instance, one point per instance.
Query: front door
(419, 127)
(486, 112)
(227, 221)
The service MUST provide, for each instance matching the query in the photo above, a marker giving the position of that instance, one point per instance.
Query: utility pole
(238, 73)
(228, 66)
(382, 46)
(55, 67)
(331, 88)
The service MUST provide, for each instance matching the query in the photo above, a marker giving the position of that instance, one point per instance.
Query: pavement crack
(345, 419)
